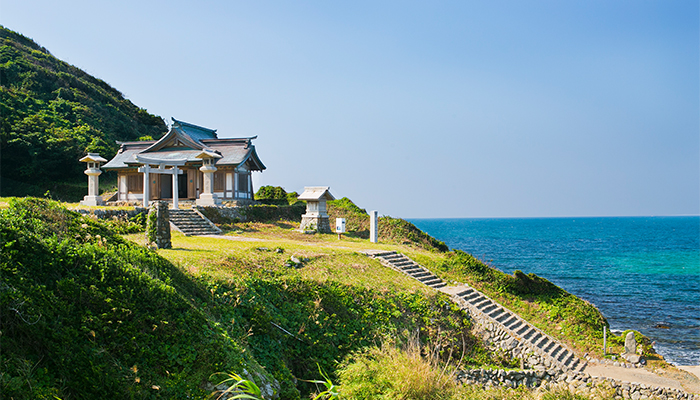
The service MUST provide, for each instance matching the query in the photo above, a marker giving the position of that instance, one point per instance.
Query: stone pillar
(373, 226)
(93, 198)
(207, 197)
(158, 225)
(630, 343)
(175, 187)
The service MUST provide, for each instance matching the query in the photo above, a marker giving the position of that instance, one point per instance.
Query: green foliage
(539, 301)
(389, 373)
(404, 232)
(152, 226)
(86, 314)
(331, 391)
(238, 388)
(390, 229)
(53, 113)
(125, 226)
(272, 213)
(272, 195)
(295, 324)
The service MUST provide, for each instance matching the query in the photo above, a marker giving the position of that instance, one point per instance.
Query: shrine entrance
(169, 187)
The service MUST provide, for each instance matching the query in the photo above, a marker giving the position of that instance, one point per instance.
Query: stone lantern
(93, 172)
(316, 215)
(207, 197)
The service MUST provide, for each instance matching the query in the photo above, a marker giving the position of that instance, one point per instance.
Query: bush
(390, 373)
(86, 314)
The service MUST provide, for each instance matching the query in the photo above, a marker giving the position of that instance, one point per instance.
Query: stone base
(207, 199)
(318, 223)
(92, 201)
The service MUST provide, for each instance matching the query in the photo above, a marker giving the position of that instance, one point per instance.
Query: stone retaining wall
(582, 383)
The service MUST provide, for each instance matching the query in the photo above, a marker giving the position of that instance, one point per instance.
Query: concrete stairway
(190, 222)
(531, 337)
(486, 311)
(409, 267)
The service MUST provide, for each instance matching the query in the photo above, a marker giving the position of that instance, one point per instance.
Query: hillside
(87, 314)
(52, 114)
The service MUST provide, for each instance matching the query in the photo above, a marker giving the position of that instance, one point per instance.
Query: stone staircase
(523, 340)
(530, 337)
(190, 222)
(409, 267)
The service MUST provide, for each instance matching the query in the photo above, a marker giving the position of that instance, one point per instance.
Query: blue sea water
(638, 271)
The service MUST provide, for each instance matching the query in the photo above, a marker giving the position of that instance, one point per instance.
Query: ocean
(641, 272)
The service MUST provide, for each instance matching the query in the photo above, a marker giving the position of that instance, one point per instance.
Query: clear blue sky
(446, 109)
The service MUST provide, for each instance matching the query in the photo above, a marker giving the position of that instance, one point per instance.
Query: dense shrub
(388, 373)
(272, 213)
(87, 315)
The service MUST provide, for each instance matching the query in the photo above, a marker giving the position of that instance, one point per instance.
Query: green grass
(87, 314)
(573, 321)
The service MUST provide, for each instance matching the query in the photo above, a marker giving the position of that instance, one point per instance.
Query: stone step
(521, 331)
(555, 351)
(481, 302)
(191, 223)
(495, 314)
(429, 279)
(550, 346)
(512, 323)
(487, 308)
(540, 343)
(433, 281)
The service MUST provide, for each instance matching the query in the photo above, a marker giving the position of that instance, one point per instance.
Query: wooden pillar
(146, 183)
(175, 186)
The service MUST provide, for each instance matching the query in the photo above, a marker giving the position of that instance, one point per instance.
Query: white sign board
(340, 225)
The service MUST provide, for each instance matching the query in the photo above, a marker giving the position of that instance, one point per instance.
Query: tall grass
(388, 372)
(414, 373)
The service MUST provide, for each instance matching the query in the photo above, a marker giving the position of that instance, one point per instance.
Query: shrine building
(188, 163)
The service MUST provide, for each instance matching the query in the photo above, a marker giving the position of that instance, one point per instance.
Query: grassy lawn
(262, 250)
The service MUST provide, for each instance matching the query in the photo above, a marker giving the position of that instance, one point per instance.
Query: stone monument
(316, 217)
(630, 344)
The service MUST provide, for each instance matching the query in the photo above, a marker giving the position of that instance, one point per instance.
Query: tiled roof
(316, 193)
(186, 141)
(194, 131)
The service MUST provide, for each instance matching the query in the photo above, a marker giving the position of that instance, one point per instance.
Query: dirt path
(693, 369)
(638, 375)
(681, 381)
